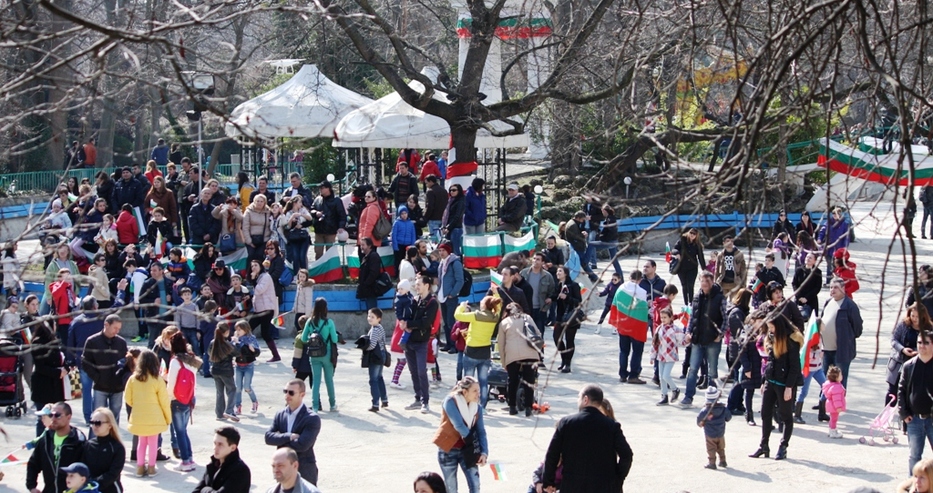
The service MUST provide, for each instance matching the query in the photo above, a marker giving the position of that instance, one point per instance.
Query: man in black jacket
(297, 189)
(103, 359)
(226, 472)
(434, 204)
(575, 234)
(421, 324)
(329, 217)
(512, 213)
(263, 188)
(807, 283)
(403, 185)
(704, 332)
(46, 460)
(370, 269)
(128, 190)
(296, 427)
(202, 225)
(595, 454)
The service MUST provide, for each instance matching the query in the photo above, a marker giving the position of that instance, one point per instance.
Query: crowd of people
(202, 320)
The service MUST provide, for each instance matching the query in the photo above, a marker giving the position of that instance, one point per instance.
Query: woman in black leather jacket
(782, 376)
(105, 454)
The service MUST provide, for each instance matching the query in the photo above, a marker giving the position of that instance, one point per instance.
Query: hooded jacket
(403, 230)
(475, 210)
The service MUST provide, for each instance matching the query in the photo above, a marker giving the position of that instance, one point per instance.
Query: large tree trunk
(464, 142)
(108, 122)
(58, 120)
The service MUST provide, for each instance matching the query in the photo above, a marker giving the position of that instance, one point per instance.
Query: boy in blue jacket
(610, 293)
(712, 419)
(403, 235)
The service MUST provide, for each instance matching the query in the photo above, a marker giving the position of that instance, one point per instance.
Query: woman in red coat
(369, 217)
(127, 226)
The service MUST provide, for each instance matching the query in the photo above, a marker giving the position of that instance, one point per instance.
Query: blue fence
(737, 220)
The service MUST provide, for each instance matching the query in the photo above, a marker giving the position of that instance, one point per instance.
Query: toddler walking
(713, 419)
(403, 309)
(835, 395)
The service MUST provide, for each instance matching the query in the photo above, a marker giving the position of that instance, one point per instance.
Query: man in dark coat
(103, 359)
(44, 458)
(203, 226)
(512, 214)
(297, 427)
(370, 268)
(596, 457)
(704, 332)
(329, 217)
(226, 471)
(403, 185)
(297, 189)
(127, 190)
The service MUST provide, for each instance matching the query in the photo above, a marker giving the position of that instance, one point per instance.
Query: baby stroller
(498, 380)
(883, 425)
(11, 379)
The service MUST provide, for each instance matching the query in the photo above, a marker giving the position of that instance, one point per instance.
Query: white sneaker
(835, 434)
(425, 409)
(397, 386)
(597, 330)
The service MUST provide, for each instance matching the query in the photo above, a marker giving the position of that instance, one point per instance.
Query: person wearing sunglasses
(105, 454)
(914, 404)
(297, 427)
(70, 450)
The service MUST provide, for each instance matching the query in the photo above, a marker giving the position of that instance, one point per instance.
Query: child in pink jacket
(835, 395)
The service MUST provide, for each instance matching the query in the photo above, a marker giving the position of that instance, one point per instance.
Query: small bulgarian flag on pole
(757, 285)
(811, 341)
(280, 320)
(11, 459)
(667, 252)
(498, 474)
(495, 277)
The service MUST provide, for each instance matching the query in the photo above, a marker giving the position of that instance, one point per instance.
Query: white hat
(712, 394)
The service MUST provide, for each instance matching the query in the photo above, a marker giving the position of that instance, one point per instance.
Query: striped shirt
(377, 337)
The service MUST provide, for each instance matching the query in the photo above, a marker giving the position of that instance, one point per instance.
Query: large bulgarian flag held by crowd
(629, 315)
(887, 168)
(513, 244)
(482, 251)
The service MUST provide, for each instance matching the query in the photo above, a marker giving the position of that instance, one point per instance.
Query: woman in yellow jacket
(147, 395)
(478, 352)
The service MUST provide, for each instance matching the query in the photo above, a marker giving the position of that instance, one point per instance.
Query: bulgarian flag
(328, 268)
(513, 244)
(497, 473)
(11, 459)
(757, 285)
(629, 314)
(236, 260)
(811, 341)
(667, 252)
(280, 320)
(140, 220)
(495, 277)
(482, 251)
(685, 313)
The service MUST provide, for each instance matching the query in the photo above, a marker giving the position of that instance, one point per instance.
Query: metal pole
(200, 161)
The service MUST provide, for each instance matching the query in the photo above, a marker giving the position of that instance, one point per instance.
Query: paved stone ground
(362, 451)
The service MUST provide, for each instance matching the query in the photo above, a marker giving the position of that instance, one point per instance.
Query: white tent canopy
(308, 105)
(390, 122)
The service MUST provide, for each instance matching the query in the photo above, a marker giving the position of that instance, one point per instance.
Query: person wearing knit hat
(712, 418)
(404, 305)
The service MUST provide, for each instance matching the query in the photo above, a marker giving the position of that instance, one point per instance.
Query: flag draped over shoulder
(482, 251)
(629, 315)
(811, 341)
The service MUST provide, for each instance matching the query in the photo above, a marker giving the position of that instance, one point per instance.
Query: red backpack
(184, 385)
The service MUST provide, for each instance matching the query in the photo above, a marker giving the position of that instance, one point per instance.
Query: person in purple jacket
(833, 236)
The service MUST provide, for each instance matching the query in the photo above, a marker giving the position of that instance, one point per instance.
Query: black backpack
(316, 346)
(467, 288)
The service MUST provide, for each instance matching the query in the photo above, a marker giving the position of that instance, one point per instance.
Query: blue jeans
(192, 336)
(918, 430)
(114, 401)
(628, 345)
(448, 307)
(323, 370)
(664, 375)
(417, 355)
(481, 367)
(434, 229)
(296, 252)
(456, 240)
(613, 250)
(449, 462)
(244, 381)
(181, 414)
(829, 359)
(589, 256)
(371, 302)
(817, 375)
(87, 397)
(711, 351)
(377, 385)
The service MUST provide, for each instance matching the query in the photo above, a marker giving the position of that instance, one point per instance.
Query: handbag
(674, 265)
(333, 354)
(388, 359)
(227, 243)
(383, 284)
(471, 450)
(257, 240)
(73, 384)
(287, 276)
(533, 337)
